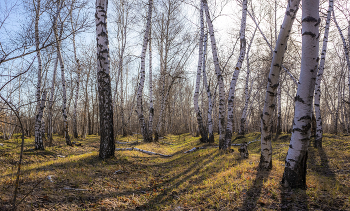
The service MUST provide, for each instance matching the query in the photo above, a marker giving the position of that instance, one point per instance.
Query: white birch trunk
(39, 144)
(38, 138)
(218, 73)
(205, 83)
(107, 145)
(246, 93)
(51, 101)
(228, 136)
(295, 168)
(319, 129)
(75, 121)
(151, 108)
(204, 137)
(144, 129)
(273, 83)
(64, 92)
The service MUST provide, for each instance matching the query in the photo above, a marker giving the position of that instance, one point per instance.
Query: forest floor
(75, 178)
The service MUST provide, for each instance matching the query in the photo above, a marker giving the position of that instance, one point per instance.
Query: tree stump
(244, 150)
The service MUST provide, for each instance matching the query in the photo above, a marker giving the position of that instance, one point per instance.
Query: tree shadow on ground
(253, 193)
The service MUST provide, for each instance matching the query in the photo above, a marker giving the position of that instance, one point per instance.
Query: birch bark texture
(319, 129)
(107, 145)
(39, 144)
(38, 138)
(151, 108)
(246, 91)
(231, 95)
(204, 137)
(144, 129)
(64, 92)
(210, 101)
(295, 168)
(218, 73)
(273, 83)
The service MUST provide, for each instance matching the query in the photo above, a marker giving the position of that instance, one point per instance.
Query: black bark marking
(309, 19)
(309, 33)
(298, 98)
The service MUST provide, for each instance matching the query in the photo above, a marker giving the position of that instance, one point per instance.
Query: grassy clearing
(206, 179)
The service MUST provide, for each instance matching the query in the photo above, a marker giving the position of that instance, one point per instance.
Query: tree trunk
(205, 82)
(228, 136)
(51, 101)
(144, 129)
(273, 83)
(151, 108)
(295, 168)
(38, 137)
(107, 144)
(39, 144)
(218, 73)
(246, 93)
(204, 137)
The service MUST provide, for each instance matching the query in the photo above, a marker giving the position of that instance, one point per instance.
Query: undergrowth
(206, 179)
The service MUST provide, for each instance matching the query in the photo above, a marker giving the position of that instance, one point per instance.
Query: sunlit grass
(206, 179)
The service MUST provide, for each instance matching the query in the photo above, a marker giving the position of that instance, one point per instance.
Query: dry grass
(206, 179)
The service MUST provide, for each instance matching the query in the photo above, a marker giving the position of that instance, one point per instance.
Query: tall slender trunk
(228, 136)
(106, 132)
(75, 121)
(38, 139)
(39, 144)
(319, 129)
(210, 103)
(273, 83)
(144, 129)
(218, 73)
(151, 108)
(204, 137)
(51, 101)
(295, 168)
(64, 92)
(246, 93)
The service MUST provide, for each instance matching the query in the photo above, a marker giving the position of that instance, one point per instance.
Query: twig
(141, 150)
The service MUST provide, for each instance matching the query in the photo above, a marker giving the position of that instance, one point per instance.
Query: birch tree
(319, 129)
(295, 168)
(201, 128)
(273, 83)
(39, 144)
(218, 73)
(228, 136)
(144, 129)
(151, 108)
(107, 144)
(78, 69)
(51, 102)
(246, 93)
(38, 138)
(63, 79)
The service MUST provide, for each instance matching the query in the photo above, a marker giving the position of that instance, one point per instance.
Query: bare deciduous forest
(174, 105)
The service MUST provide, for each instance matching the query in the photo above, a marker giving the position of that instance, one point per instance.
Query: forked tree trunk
(246, 93)
(228, 136)
(319, 129)
(39, 144)
(295, 168)
(205, 82)
(218, 73)
(273, 83)
(144, 129)
(204, 137)
(107, 144)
